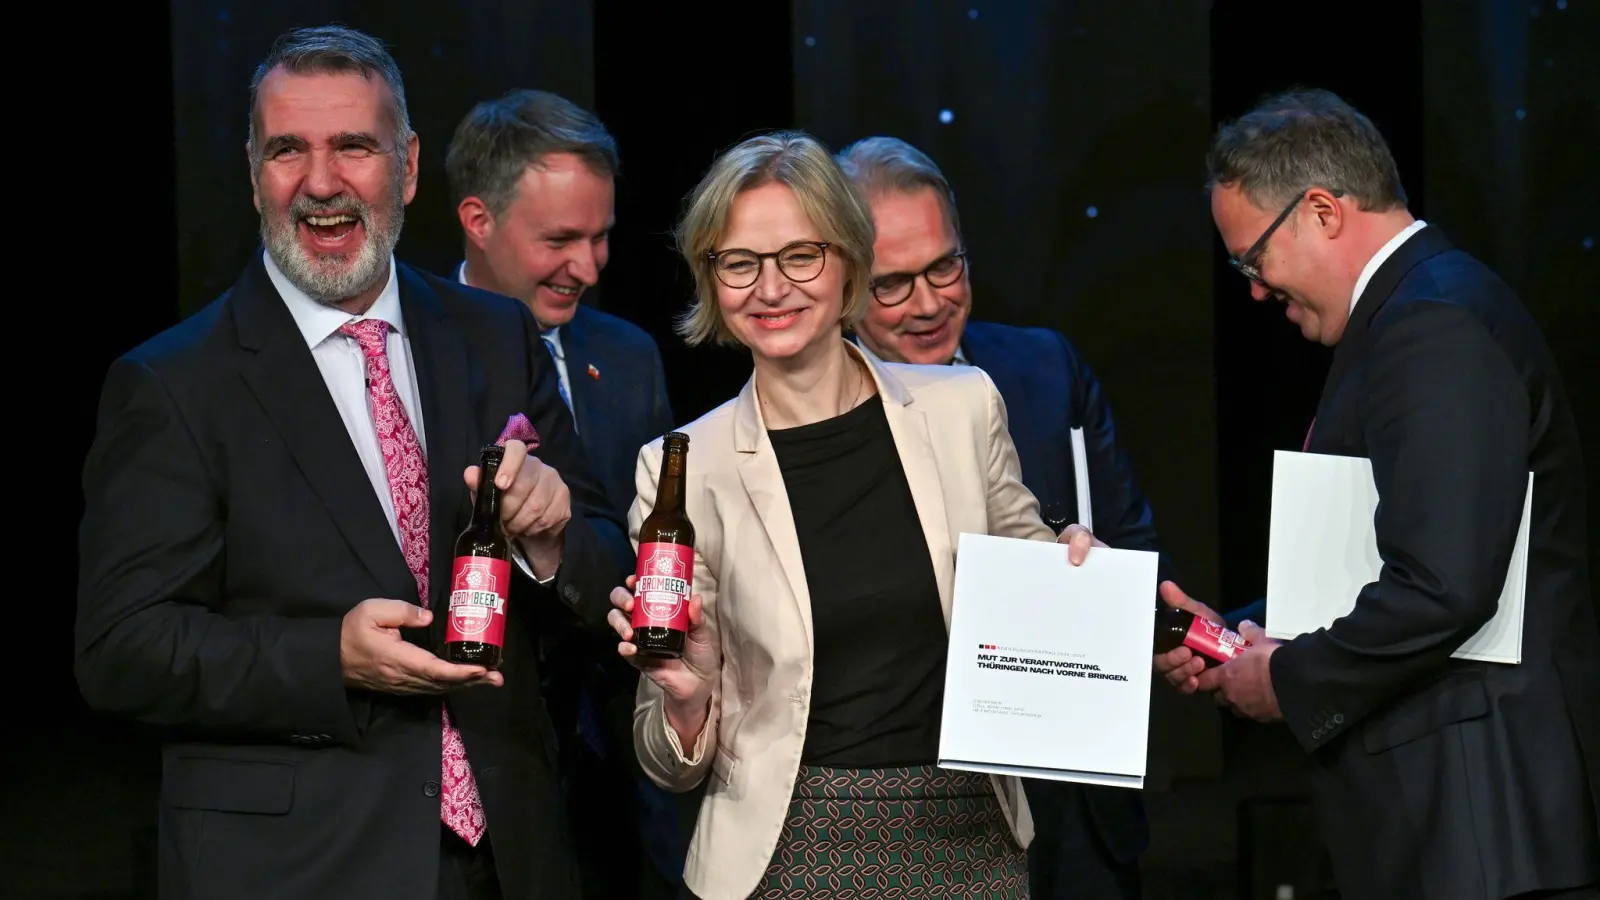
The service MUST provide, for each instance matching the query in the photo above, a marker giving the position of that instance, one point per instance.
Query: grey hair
(333, 50)
(499, 139)
(1302, 139)
(879, 164)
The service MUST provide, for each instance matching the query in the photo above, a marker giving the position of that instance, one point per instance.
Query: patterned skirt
(874, 834)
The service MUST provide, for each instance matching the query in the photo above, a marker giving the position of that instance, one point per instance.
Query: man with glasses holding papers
(1435, 777)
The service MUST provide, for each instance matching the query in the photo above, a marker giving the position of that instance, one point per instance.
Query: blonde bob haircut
(832, 202)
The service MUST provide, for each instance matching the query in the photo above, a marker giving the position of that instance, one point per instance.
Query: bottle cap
(676, 436)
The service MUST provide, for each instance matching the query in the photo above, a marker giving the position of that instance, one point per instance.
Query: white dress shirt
(344, 369)
(1384, 252)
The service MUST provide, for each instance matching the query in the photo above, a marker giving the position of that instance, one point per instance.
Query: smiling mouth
(563, 290)
(777, 319)
(930, 334)
(331, 228)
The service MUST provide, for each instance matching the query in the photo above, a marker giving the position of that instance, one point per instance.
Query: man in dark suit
(272, 501)
(533, 179)
(1088, 839)
(1435, 777)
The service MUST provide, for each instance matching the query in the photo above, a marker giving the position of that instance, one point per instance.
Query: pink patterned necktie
(460, 807)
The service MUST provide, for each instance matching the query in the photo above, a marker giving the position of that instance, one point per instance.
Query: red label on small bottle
(1209, 639)
(478, 590)
(661, 593)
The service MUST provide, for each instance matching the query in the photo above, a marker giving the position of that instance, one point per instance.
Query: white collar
(318, 320)
(1384, 252)
(553, 335)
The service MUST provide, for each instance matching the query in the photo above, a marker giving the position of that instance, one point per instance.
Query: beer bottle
(480, 578)
(1180, 628)
(666, 561)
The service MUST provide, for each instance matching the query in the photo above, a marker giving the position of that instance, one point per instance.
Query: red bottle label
(1213, 640)
(478, 590)
(661, 593)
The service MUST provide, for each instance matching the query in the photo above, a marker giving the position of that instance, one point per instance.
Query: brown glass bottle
(665, 574)
(480, 577)
(1180, 628)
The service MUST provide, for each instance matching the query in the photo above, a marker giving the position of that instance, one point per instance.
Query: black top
(879, 632)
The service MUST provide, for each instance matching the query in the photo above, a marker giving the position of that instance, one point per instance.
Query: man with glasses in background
(1088, 839)
(1434, 777)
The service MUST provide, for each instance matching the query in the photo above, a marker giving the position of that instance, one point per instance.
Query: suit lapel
(580, 387)
(914, 440)
(763, 484)
(439, 354)
(1428, 242)
(280, 371)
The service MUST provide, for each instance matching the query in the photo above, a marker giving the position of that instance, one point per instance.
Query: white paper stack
(1049, 668)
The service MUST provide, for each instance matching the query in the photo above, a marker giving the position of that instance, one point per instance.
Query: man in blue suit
(1088, 839)
(532, 176)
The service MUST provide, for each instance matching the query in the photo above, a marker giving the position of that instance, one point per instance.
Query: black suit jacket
(1049, 390)
(1440, 778)
(229, 526)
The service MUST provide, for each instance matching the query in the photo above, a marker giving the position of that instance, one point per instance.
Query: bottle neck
(669, 493)
(487, 508)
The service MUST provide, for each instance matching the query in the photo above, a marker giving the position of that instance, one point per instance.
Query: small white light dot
(1521, 113)
(946, 116)
(810, 41)
(972, 13)
(1588, 243)
(1092, 212)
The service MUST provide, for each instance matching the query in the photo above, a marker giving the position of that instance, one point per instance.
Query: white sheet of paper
(1323, 550)
(1048, 674)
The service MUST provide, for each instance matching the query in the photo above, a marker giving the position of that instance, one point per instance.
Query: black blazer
(1440, 778)
(229, 526)
(1049, 390)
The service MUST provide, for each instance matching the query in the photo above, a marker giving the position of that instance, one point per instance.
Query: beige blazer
(949, 424)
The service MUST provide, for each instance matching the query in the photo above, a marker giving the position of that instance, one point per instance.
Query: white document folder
(1048, 674)
(1323, 550)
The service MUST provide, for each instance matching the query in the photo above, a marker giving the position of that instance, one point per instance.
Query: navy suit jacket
(1049, 390)
(619, 399)
(1438, 777)
(619, 396)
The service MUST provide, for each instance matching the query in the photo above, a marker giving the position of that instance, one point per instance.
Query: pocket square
(518, 428)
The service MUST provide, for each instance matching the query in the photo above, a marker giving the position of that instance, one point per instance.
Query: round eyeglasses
(799, 262)
(893, 289)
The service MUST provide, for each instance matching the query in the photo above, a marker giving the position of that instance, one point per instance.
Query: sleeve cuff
(677, 745)
(522, 563)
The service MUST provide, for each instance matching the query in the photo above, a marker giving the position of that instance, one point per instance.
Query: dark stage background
(1074, 133)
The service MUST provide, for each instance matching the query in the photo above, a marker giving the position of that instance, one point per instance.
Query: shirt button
(431, 789)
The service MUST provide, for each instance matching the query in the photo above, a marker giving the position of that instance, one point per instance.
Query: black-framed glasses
(1247, 263)
(893, 289)
(799, 261)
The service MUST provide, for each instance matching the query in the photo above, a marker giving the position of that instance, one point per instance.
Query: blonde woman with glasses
(827, 499)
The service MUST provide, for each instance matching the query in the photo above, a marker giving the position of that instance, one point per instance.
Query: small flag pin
(593, 372)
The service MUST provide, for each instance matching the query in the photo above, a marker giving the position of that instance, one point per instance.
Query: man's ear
(1325, 206)
(255, 186)
(476, 222)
